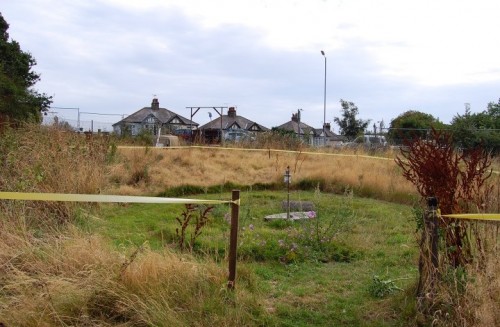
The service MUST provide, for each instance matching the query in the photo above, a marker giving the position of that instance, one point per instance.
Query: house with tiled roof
(298, 127)
(232, 127)
(154, 119)
(312, 136)
(331, 139)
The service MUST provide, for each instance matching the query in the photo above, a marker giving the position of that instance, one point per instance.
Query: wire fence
(81, 125)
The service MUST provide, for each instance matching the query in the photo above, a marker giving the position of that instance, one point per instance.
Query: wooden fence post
(233, 240)
(432, 218)
(428, 262)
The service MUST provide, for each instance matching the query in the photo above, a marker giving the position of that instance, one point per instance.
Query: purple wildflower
(311, 214)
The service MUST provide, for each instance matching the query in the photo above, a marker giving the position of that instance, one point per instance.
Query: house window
(153, 129)
(235, 126)
(254, 128)
(150, 120)
(175, 121)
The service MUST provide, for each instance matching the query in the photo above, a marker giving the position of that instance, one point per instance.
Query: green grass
(307, 273)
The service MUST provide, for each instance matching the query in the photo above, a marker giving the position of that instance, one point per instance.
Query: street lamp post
(324, 100)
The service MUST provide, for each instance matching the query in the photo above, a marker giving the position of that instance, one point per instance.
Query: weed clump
(192, 220)
(460, 181)
(380, 288)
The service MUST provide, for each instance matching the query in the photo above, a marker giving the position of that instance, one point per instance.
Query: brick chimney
(295, 118)
(327, 127)
(231, 112)
(155, 105)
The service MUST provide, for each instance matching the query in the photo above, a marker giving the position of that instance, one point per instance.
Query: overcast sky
(262, 56)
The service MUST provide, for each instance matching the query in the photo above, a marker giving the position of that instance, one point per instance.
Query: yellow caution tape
(264, 150)
(101, 198)
(474, 216)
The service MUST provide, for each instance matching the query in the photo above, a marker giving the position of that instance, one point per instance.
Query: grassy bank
(154, 170)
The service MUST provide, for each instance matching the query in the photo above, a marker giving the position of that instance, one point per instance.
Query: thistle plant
(194, 217)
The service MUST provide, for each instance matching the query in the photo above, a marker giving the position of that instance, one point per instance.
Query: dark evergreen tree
(19, 101)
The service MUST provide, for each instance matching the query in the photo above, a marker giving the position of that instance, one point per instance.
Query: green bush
(309, 184)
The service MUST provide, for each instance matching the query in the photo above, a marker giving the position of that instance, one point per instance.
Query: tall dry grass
(483, 292)
(46, 159)
(40, 158)
(152, 170)
(468, 295)
(54, 274)
(81, 281)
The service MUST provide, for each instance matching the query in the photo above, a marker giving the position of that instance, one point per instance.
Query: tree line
(468, 130)
(19, 100)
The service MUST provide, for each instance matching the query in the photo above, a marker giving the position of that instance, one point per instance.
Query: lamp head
(322, 52)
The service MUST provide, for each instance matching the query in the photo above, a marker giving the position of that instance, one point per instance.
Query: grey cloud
(105, 59)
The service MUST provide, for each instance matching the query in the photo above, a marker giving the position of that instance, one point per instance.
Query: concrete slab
(297, 215)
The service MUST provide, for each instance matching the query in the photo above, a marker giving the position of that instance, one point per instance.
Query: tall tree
(412, 124)
(19, 101)
(478, 129)
(350, 127)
